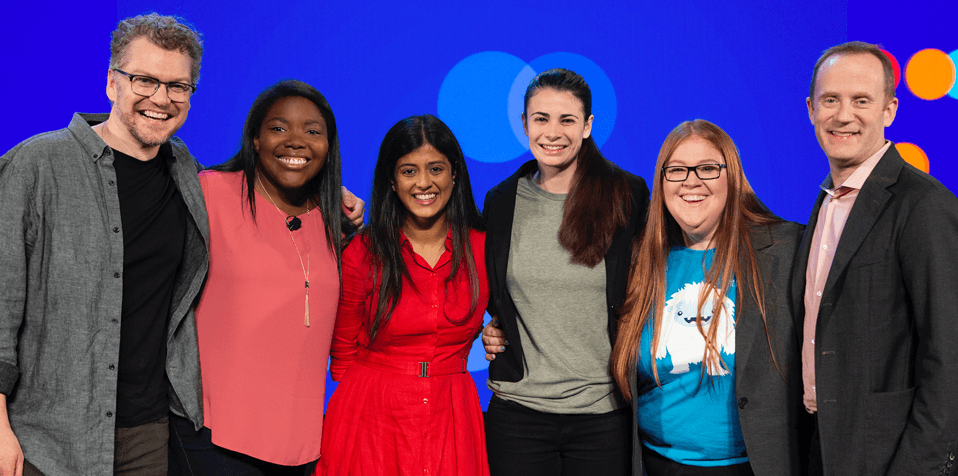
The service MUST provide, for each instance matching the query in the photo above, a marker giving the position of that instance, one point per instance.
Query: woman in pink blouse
(414, 293)
(265, 317)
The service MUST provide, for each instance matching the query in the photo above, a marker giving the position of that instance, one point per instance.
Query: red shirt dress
(384, 417)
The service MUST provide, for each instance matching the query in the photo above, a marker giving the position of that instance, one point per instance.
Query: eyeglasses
(147, 86)
(679, 173)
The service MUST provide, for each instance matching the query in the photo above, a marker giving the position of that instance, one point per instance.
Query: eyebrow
(703, 162)
(149, 75)
(286, 121)
(831, 94)
(561, 116)
(411, 164)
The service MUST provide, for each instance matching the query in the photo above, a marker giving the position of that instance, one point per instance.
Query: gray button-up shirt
(61, 286)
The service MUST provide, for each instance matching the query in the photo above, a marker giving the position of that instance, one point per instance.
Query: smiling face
(147, 122)
(850, 110)
(696, 204)
(424, 180)
(556, 124)
(291, 145)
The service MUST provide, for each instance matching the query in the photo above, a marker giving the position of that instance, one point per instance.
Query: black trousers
(658, 465)
(815, 465)
(193, 453)
(526, 442)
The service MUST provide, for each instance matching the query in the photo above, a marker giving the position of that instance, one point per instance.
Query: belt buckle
(423, 369)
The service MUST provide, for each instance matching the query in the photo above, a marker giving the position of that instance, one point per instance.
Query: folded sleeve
(17, 233)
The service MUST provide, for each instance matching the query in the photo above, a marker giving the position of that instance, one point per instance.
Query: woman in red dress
(414, 293)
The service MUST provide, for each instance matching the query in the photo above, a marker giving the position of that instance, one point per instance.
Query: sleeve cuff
(8, 377)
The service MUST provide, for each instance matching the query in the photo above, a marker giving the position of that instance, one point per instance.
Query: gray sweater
(562, 314)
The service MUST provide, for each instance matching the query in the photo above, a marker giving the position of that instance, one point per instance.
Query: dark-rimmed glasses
(679, 173)
(147, 86)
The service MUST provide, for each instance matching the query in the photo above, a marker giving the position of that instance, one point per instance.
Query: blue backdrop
(651, 65)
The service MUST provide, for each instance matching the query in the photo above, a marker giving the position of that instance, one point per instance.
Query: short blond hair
(857, 48)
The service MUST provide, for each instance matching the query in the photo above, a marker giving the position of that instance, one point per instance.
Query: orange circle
(913, 155)
(930, 74)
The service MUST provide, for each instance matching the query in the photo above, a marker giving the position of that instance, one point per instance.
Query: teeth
(293, 160)
(553, 147)
(156, 115)
(843, 134)
(693, 198)
(425, 196)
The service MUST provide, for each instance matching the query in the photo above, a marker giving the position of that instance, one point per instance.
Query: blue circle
(953, 92)
(603, 95)
(473, 103)
(516, 104)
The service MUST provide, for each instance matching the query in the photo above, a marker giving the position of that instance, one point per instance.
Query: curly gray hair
(167, 32)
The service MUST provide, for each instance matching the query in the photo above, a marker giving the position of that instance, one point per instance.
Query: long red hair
(734, 256)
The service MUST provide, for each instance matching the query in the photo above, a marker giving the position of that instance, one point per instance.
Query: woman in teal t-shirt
(707, 350)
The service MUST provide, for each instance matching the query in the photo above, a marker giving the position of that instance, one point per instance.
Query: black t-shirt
(154, 219)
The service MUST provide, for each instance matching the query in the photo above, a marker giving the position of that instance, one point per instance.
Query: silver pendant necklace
(290, 226)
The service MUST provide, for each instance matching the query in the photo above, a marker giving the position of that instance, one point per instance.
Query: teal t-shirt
(691, 418)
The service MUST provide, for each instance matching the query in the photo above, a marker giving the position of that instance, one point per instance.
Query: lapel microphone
(293, 223)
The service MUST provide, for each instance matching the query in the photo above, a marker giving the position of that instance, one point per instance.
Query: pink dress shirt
(828, 231)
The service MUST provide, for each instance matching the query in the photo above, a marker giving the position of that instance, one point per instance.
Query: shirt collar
(444, 259)
(857, 179)
(82, 128)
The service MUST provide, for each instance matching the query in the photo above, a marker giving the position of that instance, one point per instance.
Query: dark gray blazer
(886, 356)
(498, 210)
(768, 397)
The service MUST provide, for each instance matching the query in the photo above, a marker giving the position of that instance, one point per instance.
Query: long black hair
(387, 214)
(599, 201)
(325, 188)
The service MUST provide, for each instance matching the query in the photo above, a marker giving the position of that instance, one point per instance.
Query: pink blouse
(263, 370)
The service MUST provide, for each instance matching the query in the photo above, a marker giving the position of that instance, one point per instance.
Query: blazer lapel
(502, 217)
(867, 210)
(748, 319)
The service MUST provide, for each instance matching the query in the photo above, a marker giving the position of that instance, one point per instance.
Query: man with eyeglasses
(876, 281)
(104, 249)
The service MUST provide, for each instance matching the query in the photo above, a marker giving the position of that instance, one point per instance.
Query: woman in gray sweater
(557, 251)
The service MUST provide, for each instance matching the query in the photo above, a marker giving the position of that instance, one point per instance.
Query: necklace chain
(306, 266)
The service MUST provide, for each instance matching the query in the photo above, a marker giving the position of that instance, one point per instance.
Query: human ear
(587, 131)
(891, 109)
(110, 86)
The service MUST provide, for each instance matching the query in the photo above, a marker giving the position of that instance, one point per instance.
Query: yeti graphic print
(690, 416)
(680, 336)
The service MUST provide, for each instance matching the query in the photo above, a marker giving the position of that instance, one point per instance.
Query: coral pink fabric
(383, 419)
(263, 370)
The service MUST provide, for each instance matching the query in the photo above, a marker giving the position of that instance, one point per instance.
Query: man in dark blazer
(877, 284)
